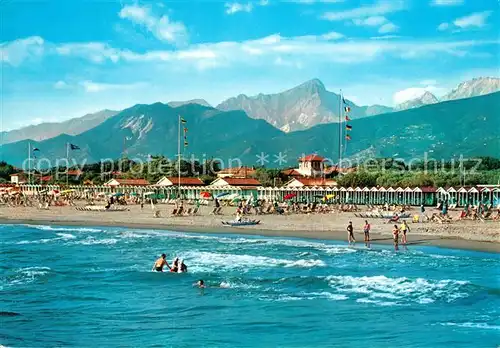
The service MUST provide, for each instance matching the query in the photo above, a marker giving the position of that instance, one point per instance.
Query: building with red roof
(127, 182)
(237, 172)
(236, 182)
(174, 181)
(311, 182)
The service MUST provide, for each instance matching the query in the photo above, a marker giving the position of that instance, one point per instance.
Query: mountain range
(48, 130)
(299, 108)
(445, 130)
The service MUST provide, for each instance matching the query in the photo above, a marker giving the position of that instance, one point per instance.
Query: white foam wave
(61, 236)
(95, 241)
(204, 261)
(236, 285)
(376, 302)
(327, 295)
(69, 229)
(27, 275)
(474, 325)
(65, 236)
(417, 290)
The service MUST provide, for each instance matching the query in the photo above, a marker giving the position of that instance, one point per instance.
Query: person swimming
(175, 265)
(201, 284)
(160, 263)
(182, 268)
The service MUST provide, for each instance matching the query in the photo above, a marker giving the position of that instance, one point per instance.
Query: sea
(69, 286)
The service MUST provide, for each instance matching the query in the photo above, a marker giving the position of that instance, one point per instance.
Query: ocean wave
(207, 261)
(95, 241)
(376, 302)
(26, 275)
(61, 236)
(417, 290)
(237, 285)
(69, 229)
(473, 325)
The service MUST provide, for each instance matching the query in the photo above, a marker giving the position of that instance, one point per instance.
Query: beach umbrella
(205, 194)
(236, 199)
(222, 194)
(231, 196)
(290, 196)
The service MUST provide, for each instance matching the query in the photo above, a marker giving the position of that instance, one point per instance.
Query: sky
(63, 59)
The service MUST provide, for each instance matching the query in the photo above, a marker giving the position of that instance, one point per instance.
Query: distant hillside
(47, 130)
(176, 104)
(467, 127)
(301, 107)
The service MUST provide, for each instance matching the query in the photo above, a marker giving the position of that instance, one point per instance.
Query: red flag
(347, 118)
(348, 137)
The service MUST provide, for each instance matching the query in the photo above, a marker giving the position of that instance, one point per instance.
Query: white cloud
(235, 7)
(388, 28)
(60, 85)
(385, 37)
(162, 27)
(428, 82)
(95, 87)
(311, 49)
(378, 9)
(374, 21)
(333, 35)
(477, 19)
(474, 20)
(447, 2)
(15, 52)
(443, 26)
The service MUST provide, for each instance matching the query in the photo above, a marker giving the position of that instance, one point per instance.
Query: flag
(348, 137)
(35, 149)
(74, 147)
(185, 143)
(185, 130)
(183, 120)
(347, 118)
(343, 101)
(348, 127)
(347, 109)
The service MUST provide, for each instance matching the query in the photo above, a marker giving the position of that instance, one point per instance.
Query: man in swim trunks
(160, 263)
(350, 233)
(366, 229)
(395, 234)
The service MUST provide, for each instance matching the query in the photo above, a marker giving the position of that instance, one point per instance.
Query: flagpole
(340, 130)
(179, 158)
(29, 163)
(67, 164)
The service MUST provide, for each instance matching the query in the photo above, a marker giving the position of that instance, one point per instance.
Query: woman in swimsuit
(175, 265)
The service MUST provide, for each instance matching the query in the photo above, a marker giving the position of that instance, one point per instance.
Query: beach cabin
(463, 196)
(495, 196)
(429, 196)
(310, 182)
(126, 182)
(237, 172)
(245, 187)
(18, 178)
(473, 196)
(176, 181)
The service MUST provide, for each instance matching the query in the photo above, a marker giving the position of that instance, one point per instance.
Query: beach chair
(174, 212)
(195, 211)
(188, 212)
(157, 214)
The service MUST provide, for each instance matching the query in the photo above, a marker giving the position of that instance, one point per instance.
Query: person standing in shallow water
(160, 263)
(404, 228)
(366, 230)
(350, 233)
(395, 234)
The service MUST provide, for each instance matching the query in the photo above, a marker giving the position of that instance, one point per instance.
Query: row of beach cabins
(428, 196)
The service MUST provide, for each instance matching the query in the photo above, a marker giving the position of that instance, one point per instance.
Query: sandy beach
(473, 235)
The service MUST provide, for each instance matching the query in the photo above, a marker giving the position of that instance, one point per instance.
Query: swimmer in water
(175, 265)
(160, 263)
(201, 284)
(183, 268)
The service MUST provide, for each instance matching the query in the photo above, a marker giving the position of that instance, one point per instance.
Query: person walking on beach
(350, 234)
(160, 263)
(366, 229)
(395, 234)
(404, 228)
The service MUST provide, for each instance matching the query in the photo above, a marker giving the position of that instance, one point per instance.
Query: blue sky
(62, 59)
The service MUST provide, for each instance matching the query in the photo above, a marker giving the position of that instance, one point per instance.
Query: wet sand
(472, 235)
